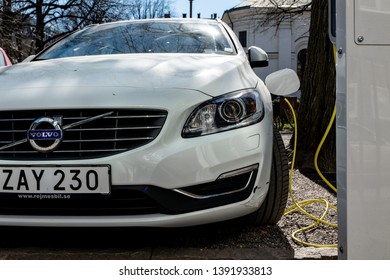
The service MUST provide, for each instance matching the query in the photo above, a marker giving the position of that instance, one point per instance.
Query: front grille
(118, 131)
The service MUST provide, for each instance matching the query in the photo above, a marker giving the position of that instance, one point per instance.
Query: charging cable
(299, 206)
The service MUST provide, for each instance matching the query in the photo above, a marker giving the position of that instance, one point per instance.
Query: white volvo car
(159, 123)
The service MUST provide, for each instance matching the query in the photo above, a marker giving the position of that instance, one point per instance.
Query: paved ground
(230, 240)
(218, 241)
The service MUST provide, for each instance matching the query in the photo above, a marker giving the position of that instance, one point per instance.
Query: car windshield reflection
(143, 37)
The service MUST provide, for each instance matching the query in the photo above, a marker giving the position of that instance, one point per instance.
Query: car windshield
(144, 37)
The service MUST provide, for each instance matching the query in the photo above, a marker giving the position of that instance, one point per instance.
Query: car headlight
(230, 111)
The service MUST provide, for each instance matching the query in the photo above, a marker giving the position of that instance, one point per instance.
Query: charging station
(362, 38)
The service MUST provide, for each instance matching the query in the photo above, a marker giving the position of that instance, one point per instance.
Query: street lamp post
(191, 8)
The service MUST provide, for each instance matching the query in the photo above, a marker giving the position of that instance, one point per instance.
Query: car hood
(211, 74)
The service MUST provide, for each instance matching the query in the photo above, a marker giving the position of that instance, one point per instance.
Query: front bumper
(163, 172)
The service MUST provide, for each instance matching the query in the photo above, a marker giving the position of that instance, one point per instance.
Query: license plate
(55, 179)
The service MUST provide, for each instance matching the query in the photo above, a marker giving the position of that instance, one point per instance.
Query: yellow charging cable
(319, 149)
(299, 206)
(324, 137)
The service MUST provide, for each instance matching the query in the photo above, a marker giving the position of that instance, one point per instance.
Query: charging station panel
(363, 128)
(372, 23)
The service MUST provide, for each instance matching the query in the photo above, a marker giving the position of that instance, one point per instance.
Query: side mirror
(283, 82)
(257, 57)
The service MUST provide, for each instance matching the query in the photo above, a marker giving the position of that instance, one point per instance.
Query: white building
(284, 36)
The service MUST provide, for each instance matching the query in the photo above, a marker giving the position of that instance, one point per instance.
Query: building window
(302, 55)
(242, 36)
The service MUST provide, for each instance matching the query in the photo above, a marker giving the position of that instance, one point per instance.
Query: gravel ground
(310, 186)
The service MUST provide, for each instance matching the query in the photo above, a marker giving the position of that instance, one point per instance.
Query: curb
(315, 254)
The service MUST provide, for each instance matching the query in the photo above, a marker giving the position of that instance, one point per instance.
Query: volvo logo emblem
(45, 134)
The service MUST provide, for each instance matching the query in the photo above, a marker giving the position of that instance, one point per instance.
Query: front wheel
(275, 202)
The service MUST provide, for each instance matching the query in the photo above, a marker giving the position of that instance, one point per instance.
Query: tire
(275, 202)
